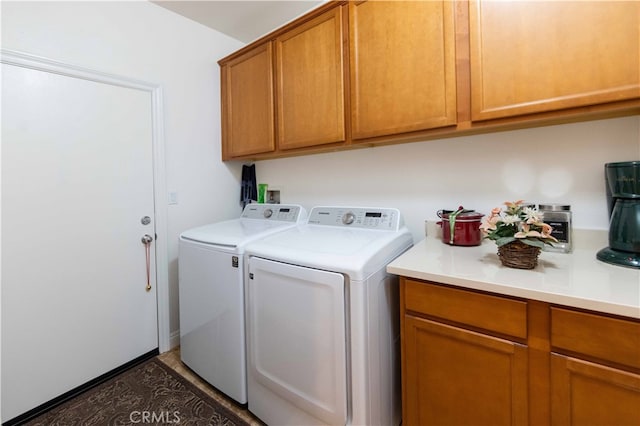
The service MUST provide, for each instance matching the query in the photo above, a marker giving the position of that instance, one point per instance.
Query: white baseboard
(174, 340)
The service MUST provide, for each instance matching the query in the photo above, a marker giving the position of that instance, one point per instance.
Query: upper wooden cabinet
(247, 104)
(362, 73)
(309, 83)
(537, 56)
(402, 57)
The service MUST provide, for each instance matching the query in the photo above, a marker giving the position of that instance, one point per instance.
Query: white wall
(563, 164)
(143, 41)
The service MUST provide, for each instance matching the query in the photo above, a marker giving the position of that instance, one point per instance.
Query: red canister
(461, 227)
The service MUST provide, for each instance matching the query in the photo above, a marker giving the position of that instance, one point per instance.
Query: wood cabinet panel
(402, 57)
(247, 104)
(590, 394)
(458, 377)
(357, 73)
(535, 56)
(492, 313)
(309, 84)
(605, 338)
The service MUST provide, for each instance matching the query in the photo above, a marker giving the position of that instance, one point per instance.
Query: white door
(77, 177)
(297, 344)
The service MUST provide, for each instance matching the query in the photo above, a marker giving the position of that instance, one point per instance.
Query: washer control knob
(268, 213)
(348, 218)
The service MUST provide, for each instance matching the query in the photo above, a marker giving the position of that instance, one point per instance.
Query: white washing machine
(211, 290)
(322, 320)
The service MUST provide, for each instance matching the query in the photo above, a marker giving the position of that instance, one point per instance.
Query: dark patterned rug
(148, 394)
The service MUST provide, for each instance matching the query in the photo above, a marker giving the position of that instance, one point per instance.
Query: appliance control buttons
(267, 213)
(372, 222)
(348, 218)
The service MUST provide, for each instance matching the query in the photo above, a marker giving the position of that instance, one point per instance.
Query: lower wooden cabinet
(474, 358)
(595, 369)
(610, 340)
(460, 377)
(585, 393)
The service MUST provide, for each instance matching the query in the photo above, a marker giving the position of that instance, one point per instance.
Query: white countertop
(574, 279)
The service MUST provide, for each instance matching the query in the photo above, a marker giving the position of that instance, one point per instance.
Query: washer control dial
(348, 218)
(268, 213)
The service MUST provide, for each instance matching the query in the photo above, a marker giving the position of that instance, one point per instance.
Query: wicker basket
(519, 255)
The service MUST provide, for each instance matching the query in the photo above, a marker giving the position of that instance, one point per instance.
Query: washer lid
(352, 251)
(232, 233)
(257, 220)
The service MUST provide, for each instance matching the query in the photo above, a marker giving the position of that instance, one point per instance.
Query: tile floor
(172, 359)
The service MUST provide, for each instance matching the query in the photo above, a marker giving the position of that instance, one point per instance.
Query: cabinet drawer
(605, 338)
(492, 313)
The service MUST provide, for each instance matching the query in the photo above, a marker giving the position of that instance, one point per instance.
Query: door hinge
(234, 261)
(250, 275)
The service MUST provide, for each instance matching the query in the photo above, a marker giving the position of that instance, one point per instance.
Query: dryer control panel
(387, 219)
(276, 212)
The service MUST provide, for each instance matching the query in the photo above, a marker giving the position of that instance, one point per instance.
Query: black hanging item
(248, 186)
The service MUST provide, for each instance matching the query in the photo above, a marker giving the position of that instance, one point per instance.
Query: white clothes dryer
(322, 320)
(211, 290)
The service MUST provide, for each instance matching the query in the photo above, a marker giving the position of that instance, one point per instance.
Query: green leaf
(506, 231)
(504, 240)
(534, 243)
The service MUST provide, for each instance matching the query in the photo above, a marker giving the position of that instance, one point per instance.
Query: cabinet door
(453, 376)
(584, 393)
(309, 84)
(402, 57)
(247, 104)
(529, 57)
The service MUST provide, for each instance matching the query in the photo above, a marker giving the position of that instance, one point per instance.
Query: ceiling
(243, 20)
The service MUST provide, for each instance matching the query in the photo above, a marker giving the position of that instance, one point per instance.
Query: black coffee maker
(623, 201)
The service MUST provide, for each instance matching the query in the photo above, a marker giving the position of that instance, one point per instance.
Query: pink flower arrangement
(517, 222)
